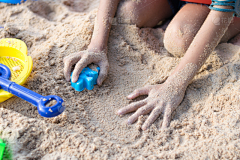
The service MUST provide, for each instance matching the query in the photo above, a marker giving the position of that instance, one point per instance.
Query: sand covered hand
(84, 58)
(162, 98)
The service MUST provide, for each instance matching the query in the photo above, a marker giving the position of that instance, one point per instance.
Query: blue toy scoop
(36, 99)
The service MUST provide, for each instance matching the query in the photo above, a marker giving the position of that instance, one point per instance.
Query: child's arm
(167, 96)
(206, 39)
(97, 49)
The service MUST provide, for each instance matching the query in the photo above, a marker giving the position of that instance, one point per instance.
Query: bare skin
(98, 45)
(183, 28)
(84, 58)
(162, 98)
(196, 54)
(97, 50)
(147, 13)
(166, 97)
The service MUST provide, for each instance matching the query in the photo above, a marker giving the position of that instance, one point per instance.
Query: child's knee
(127, 12)
(177, 39)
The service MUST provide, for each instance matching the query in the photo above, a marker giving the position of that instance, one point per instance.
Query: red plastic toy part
(199, 1)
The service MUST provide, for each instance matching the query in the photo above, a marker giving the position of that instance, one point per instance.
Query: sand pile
(205, 125)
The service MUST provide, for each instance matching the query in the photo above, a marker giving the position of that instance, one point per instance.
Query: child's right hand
(84, 58)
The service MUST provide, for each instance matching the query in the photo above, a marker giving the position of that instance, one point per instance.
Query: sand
(204, 126)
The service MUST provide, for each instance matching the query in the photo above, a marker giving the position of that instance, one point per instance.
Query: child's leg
(236, 40)
(147, 13)
(185, 25)
(233, 32)
(183, 28)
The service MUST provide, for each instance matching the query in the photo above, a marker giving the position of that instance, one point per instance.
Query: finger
(138, 92)
(141, 111)
(78, 68)
(69, 61)
(167, 117)
(103, 72)
(153, 116)
(131, 107)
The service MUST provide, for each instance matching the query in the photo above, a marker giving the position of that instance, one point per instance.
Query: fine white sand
(205, 125)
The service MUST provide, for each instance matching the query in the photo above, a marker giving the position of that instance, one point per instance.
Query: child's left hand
(162, 98)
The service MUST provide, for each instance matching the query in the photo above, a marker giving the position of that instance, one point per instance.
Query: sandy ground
(205, 125)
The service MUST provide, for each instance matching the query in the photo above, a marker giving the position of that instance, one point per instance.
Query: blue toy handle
(36, 99)
(12, 1)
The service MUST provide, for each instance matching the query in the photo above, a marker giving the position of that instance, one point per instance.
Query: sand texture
(205, 126)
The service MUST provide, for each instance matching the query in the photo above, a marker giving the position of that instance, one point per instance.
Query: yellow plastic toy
(13, 53)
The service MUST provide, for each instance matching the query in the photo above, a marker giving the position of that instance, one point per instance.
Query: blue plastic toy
(12, 1)
(87, 79)
(36, 99)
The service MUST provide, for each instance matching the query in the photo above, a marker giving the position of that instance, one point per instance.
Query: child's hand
(82, 59)
(162, 98)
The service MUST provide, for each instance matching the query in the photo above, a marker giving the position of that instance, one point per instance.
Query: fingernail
(129, 96)
(129, 122)
(119, 112)
(74, 80)
(144, 128)
(164, 127)
(99, 82)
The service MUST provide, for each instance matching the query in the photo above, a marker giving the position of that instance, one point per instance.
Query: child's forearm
(106, 12)
(206, 40)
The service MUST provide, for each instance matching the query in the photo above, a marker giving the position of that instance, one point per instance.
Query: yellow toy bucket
(13, 54)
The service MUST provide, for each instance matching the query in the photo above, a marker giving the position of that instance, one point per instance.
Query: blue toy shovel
(36, 99)
(12, 1)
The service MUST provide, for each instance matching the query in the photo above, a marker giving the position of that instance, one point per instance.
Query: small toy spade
(36, 99)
